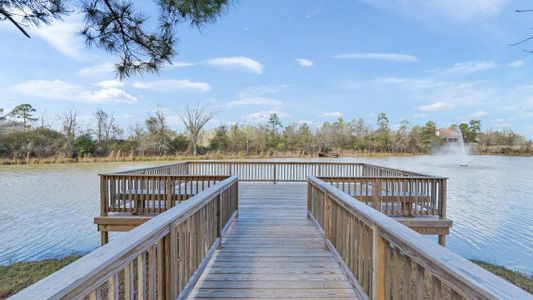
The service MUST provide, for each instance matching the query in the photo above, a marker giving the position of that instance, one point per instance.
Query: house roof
(448, 133)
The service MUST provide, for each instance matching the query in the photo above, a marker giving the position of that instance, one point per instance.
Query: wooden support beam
(378, 265)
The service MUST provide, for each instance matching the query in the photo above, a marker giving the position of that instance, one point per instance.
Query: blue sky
(442, 60)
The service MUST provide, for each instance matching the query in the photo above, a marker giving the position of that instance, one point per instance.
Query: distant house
(448, 135)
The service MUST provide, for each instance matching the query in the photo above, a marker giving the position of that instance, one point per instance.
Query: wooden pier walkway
(260, 229)
(272, 250)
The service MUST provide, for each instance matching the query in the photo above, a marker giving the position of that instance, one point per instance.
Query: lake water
(47, 210)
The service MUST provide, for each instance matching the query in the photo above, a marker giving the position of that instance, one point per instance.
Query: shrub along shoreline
(23, 140)
(17, 276)
(223, 156)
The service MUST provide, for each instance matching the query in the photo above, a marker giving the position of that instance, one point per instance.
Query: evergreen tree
(120, 27)
(24, 113)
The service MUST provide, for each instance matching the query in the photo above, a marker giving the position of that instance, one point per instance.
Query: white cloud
(470, 67)
(260, 91)
(106, 84)
(241, 62)
(458, 93)
(180, 64)
(255, 101)
(263, 116)
(408, 83)
(63, 36)
(516, 64)
(96, 70)
(108, 95)
(336, 114)
(397, 57)
(307, 122)
(478, 114)
(50, 89)
(304, 62)
(62, 90)
(173, 84)
(437, 106)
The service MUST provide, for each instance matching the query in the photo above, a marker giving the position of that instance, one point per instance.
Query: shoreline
(208, 156)
(17, 276)
(214, 156)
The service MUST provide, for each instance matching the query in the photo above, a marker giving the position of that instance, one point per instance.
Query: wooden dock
(259, 229)
(272, 250)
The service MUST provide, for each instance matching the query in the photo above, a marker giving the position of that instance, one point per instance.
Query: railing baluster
(435, 288)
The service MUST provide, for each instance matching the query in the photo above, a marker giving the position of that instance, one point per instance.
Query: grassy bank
(207, 156)
(16, 277)
(519, 279)
(228, 156)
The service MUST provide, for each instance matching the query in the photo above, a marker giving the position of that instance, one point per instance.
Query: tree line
(24, 135)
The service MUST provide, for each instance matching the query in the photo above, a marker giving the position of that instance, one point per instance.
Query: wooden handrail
(274, 171)
(388, 259)
(179, 168)
(375, 170)
(332, 178)
(283, 171)
(169, 252)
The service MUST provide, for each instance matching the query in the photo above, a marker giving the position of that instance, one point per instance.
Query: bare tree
(194, 119)
(70, 128)
(101, 124)
(3, 120)
(106, 126)
(43, 120)
(158, 134)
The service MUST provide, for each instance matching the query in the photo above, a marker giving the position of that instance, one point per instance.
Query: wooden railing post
(220, 225)
(378, 264)
(169, 193)
(170, 271)
(275, 165)
(104, 235)
(327, 218)
(309, 195)
(376, 194)
(442, 210)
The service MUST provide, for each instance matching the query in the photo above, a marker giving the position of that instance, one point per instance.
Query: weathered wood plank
(273, 250)
(282, 293)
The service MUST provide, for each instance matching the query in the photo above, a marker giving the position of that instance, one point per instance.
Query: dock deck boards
(272, 250)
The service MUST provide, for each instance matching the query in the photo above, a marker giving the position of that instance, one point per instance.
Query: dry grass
(17, 276)
(519, 279)
(210, 155)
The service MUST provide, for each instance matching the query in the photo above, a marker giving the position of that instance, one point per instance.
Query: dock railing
(180, 168)
(405, 196)
(385, 259)
(161, 258)
(149, 192)
(156, 189)
(392, 191)
(273, 171)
